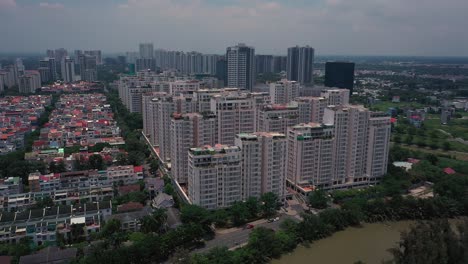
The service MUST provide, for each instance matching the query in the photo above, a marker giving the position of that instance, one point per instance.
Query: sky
(341, 27)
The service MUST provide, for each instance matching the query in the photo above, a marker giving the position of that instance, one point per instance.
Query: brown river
(368, 243)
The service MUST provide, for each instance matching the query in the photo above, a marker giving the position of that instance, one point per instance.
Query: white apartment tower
(277, 118)
(311, 109)
(188, 131)
(235, 114)
(214, 176)
(165, 107)
(378, 147)
(183, 87)
(68, 70)
(240, 67)
(336, 96)
(284, 91)
(146, 50)
(263, 163)
(309, 155)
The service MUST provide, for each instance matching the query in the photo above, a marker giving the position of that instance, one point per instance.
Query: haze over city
(363, 27)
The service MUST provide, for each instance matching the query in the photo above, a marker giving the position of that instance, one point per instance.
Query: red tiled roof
(138, 169)
(130, 206)
(449, 170)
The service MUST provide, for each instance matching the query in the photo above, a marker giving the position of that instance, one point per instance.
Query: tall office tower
(52, 68)
(165, 107)
(68, 70)
(284, 91)
(2, 82)
(235, 113)
(263, 163)
(311, 109)
(45, 74)
(60, 54)
(340, 75)
(131, 56)
(209, 63)
(309, 156)
(29, 82)
(378, 146)
(336, 96)
(277, 118)
(188, 131)
(221, 70)
(183, 87)
(214, 176)
(263, 63)
(88, 68)
(146, 50)
(300, 64)
(50, 54)
(279, 63)
(77, 54)
(240, 67)
(95, 53)
(145, 64)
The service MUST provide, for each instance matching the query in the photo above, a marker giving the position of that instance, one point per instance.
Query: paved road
(238, 237)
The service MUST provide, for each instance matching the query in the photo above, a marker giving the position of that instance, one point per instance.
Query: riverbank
(368, 243)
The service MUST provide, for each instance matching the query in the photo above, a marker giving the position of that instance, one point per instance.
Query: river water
(368, 243)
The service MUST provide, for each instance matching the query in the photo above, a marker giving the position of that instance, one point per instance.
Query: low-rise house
(163, 200)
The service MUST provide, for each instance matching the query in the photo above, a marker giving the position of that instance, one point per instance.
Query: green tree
(446, 146)
(155, 222)
(269, 204)
(263, 243)
(239, 213)
(195, 214)
(318, 199)
(252, 206)
(96, 162)
(432, 159)
(110, 227)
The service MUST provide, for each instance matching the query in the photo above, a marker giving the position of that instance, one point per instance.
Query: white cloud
(51, 5)
(7, 3)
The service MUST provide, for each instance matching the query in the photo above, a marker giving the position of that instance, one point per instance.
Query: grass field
(383, 106)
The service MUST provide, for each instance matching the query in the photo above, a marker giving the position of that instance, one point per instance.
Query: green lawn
(456, 127)
(383, 106)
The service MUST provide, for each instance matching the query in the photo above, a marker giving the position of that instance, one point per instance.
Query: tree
(110, 227)
(155, 222)
(122, 159)
(195, 214)
(430, 242)
(180, 256)
(318, 199)
(252, 206)
(446, 146)
(96, 162)
(263, 243)
(239, 213)
(269, 203)
(154, 166)
(432, 159)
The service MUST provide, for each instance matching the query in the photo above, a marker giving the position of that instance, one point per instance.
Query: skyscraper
(96, 54)
(300, 64)
(146, 50)
(340, 74)
(68, 70)
(240, 66)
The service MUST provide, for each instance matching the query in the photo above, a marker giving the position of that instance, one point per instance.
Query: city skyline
(331, 26)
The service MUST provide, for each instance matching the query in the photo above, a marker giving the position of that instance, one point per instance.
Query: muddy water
(368, 243)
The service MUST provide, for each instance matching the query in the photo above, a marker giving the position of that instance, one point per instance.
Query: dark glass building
(340, 74)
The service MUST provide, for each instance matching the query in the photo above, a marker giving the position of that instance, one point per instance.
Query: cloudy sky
(350, 27)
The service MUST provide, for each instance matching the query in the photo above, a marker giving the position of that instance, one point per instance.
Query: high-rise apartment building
(277, 118)
(165, 107)
(340, 75)
(235, 113)
(214, 176)
(96, 54)
(88, 68)
(52, 66)
(29, 82)
(183, 87)
(336, 96)
(145, 64)
(188, 131)
(68, 70)
(311, 109)
(240, 67)
(284, 91)
(300, 64)
(59, 54)
(263, 163)
(361, 144)
(151, 115)
(309, 156)
(146, 50)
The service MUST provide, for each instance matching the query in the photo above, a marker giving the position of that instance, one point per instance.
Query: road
(238, 237)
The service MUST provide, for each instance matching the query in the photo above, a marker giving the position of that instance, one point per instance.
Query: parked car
(249, 226)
